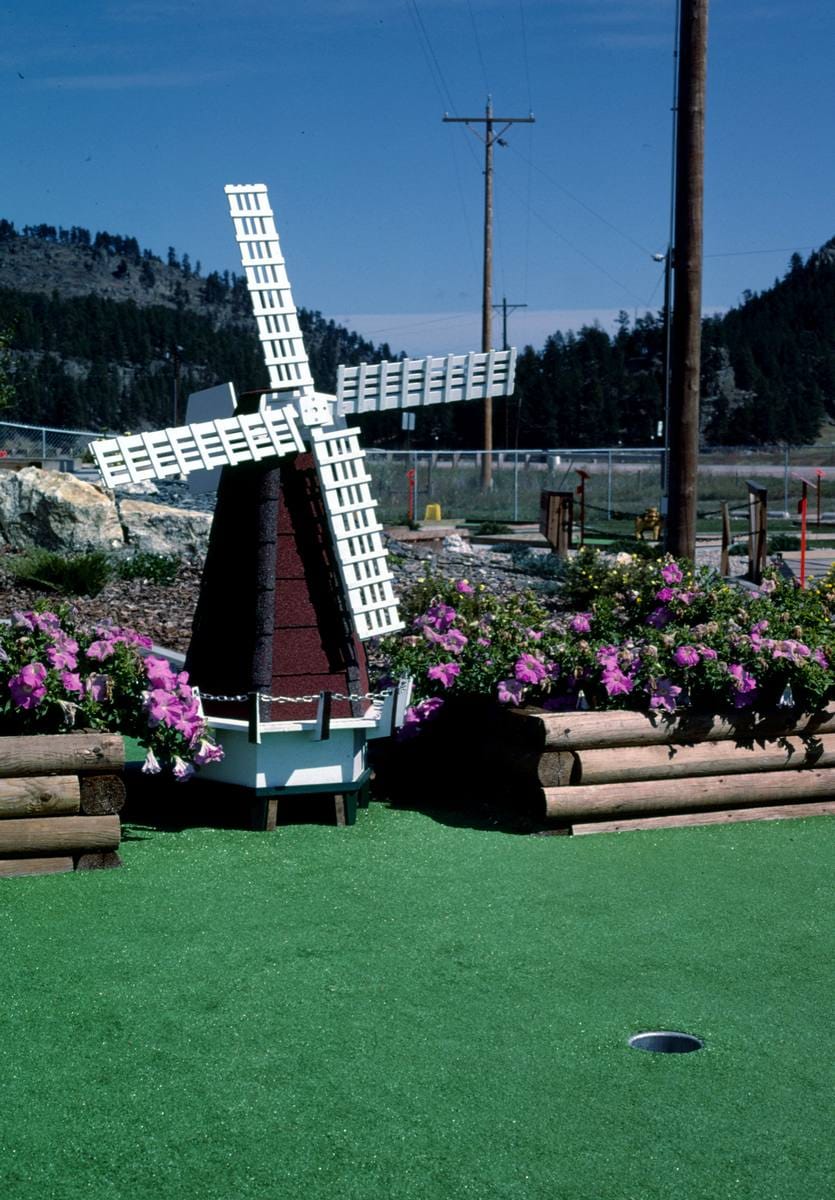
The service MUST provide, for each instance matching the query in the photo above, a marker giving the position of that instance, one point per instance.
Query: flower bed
(651, 654)
(57, 676)
(651, 636)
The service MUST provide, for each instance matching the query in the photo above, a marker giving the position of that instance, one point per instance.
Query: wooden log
(623, 764)
(39, 796)
(780, 812)
(535, 730)
(53, 865)
(98, 861)
(686, 795)
(60, 835)
(61, 754)
(101, 794)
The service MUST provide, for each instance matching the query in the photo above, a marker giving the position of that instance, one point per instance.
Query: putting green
(410, 1009)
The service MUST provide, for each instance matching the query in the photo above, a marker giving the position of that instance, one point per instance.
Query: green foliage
(653, 636)
(6, 385)
(783, 541)
(64, 574)
(149, 567)
(486, 528)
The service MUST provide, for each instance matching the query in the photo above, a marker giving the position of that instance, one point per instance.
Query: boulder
(56, 511)
(160, 529)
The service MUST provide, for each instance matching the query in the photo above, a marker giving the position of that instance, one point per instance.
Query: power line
(430, 55)
(478, 46)
(583, 204)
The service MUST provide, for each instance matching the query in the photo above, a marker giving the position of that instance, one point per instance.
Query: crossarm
(186, 448)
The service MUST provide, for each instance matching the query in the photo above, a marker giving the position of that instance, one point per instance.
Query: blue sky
(131, 117)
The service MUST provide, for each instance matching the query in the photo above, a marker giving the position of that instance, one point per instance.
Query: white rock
(160, 529)
(56, 511)
(458, 544)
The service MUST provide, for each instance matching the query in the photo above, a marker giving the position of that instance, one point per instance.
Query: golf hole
(666, 1041)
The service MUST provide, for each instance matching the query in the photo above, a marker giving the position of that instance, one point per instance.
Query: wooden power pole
(685, 374)
(490, 137)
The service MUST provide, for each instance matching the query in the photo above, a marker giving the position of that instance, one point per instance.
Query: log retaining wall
(60, 798)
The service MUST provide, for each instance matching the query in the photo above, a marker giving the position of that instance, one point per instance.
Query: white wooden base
(289, 756)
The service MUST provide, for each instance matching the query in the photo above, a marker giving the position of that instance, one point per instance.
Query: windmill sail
(411, 383)
(356, 533)
(249, 437)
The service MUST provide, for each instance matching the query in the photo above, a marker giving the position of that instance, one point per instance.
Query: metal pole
(609, 489)
(516, 485)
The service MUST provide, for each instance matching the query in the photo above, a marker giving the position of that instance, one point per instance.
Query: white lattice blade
(413, 382)
(268, 286)
(250, 437)
(356, 533)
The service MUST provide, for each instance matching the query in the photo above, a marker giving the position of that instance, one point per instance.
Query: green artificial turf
(410, 1009)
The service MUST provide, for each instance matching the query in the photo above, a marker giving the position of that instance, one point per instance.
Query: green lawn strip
(410, 1009)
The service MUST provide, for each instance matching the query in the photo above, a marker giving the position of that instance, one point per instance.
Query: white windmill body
(297, 573)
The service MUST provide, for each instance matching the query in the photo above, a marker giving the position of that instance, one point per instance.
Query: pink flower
(464, 587)
(440, 617)
(159, 673)
(100, 650)
(182, 770)
(27, 687)
(664, 695)
(415, 716)
(71, 682)
(529, 669)
(686, 656)
(454, 641)
(671, 573)
(162, 707)
(580, 623)
(510, 691)
(207, 752)
(616, 683)
(151, 764)
(97, 687)
(665, 593)
(62, 655)
(444, 673)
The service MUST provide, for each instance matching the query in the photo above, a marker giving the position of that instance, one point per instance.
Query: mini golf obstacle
(604, 772)
(60, 798)
(296, 576)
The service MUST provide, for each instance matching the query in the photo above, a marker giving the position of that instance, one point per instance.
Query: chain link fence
(620, 482)
(43, 445)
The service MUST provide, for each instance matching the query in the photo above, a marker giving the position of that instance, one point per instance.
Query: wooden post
(61, 754)
(757, 530)
(724, 560)
(802, 507)
(556, 519)
(687, 308)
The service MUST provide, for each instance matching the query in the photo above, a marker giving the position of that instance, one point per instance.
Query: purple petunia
(207, 752)
(616, 682)
(528, 669)
(671, 573)
(510, 691)
(664, 695)
(444, 673)
(71, 682)
(464, 587)
(159, 673)
(27, 687)
(580, 623)
(686, 656)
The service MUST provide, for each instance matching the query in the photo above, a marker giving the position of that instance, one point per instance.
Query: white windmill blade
(414, 382)
(355, 531)
(250, 437)
(272, 299)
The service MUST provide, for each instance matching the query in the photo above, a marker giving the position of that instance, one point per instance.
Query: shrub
(64, 574)
(153, 568)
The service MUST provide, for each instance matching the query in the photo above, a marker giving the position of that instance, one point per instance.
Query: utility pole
(490, 137)
(505, 308)
(685, 374)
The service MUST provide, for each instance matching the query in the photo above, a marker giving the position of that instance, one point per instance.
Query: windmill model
(296, 575)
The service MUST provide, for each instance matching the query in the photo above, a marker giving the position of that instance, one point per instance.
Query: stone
(54, 510)
(161, 529)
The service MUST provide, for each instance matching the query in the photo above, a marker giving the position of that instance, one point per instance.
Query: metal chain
(241, 699)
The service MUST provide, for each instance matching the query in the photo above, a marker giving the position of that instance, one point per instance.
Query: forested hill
(102, 333)
(768, 372)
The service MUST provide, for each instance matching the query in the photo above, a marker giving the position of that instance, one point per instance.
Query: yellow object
(433, 512)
